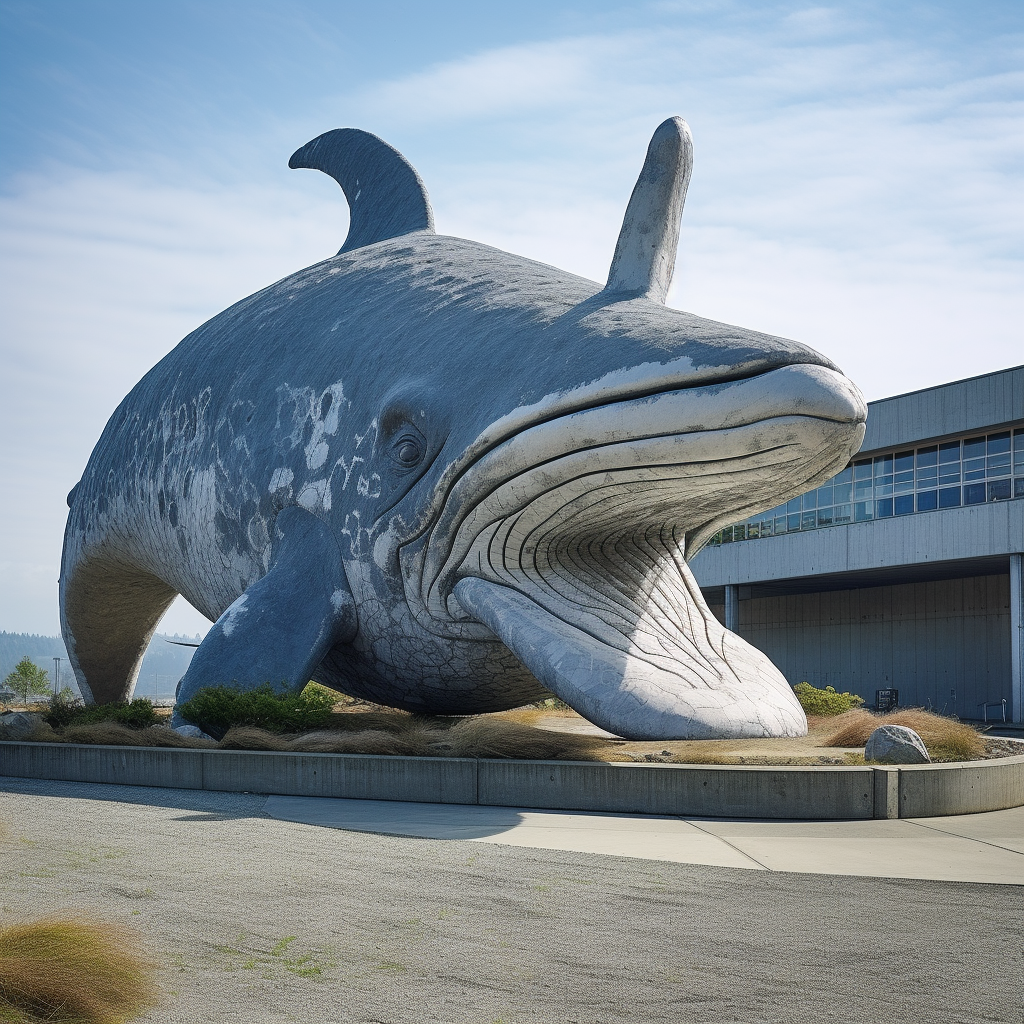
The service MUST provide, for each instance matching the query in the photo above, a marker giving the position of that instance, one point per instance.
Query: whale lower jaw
(669, 670)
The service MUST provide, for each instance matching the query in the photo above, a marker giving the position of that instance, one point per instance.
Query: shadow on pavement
(208, 805)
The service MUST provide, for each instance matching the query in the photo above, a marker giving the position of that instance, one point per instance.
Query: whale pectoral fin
(636, 697)
(281, 628)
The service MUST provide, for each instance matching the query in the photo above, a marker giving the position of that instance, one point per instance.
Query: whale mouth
(568, 542)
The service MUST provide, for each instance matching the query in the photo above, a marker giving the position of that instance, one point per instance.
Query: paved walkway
(969, 848)
(255, 920)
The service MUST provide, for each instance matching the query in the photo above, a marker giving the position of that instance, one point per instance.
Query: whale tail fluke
(386, 197)
(645, 254)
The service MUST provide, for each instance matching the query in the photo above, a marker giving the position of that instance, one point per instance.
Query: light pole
(56, 676)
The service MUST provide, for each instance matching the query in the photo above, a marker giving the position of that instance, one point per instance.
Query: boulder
(896, 744)
(192, 732)
(16, 725)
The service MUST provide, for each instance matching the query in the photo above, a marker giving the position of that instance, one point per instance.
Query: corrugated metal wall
(926, 639)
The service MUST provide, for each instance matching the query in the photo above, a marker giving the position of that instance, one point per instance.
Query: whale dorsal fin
(645, 254)
(386, 197)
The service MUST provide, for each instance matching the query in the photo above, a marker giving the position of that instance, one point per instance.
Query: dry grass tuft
(73, 969)
(377, 720)
(248, 737)
(469, 737)
(945, 738)
(486, 737)
(702, 752)
(409, 743)
(165, 736)
(113, 734)
(43, 733)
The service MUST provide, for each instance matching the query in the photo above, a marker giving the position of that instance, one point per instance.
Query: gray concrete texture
(948, 409)
(448, 479)
(945, 644)
(819, 793)
(263, 921)
(966, 848)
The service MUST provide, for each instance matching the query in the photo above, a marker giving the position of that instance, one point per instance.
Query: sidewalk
(969, 848)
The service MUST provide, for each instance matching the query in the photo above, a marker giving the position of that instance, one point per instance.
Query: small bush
(825, 702)
(73, 969)
(66, 710)
(216, 709)
(551, 704)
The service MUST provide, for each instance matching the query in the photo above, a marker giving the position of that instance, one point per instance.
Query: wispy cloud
(510, 81)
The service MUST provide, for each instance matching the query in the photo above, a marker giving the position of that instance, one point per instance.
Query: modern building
(904, 571)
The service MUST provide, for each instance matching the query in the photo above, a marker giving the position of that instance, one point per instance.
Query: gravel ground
(262, 921)
(1001, 746)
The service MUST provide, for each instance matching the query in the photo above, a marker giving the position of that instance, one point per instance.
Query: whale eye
(408, 450)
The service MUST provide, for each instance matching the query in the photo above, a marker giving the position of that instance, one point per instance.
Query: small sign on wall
(887, 700)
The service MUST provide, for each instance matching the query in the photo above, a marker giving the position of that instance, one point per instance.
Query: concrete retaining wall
(931, 790)
(741, 791)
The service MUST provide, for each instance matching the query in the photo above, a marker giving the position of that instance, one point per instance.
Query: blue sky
(857, 184)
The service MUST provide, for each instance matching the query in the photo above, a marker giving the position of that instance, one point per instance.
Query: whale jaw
(647, 660)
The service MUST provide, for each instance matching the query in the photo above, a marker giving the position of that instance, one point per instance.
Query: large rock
(16, 725)
(896, 744)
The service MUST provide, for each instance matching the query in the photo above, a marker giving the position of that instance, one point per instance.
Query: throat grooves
(631, 590)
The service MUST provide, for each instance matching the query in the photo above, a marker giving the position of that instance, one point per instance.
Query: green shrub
(551, 704)
(825, 702)
(218, 708)
(65, 709)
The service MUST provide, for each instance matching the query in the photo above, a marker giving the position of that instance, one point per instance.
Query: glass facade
(969, 471)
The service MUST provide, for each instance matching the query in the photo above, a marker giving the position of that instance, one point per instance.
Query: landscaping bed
(535, 733)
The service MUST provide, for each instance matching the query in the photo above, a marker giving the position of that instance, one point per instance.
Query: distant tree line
(164, 664)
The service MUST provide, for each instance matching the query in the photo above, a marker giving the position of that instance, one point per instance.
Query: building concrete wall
(943, 644)
(977, 404)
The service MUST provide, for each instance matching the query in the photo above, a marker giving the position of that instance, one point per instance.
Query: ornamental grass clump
(73, 969)
(825, 702)
(113, 735)
(409, 736)
(946, 739)
(494, 738)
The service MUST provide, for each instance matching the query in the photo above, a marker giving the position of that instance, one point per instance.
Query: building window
(970, 471)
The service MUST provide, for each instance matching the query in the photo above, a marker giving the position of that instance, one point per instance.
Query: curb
(820, 793)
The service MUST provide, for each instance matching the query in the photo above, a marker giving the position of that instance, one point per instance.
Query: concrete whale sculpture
(445, 478)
